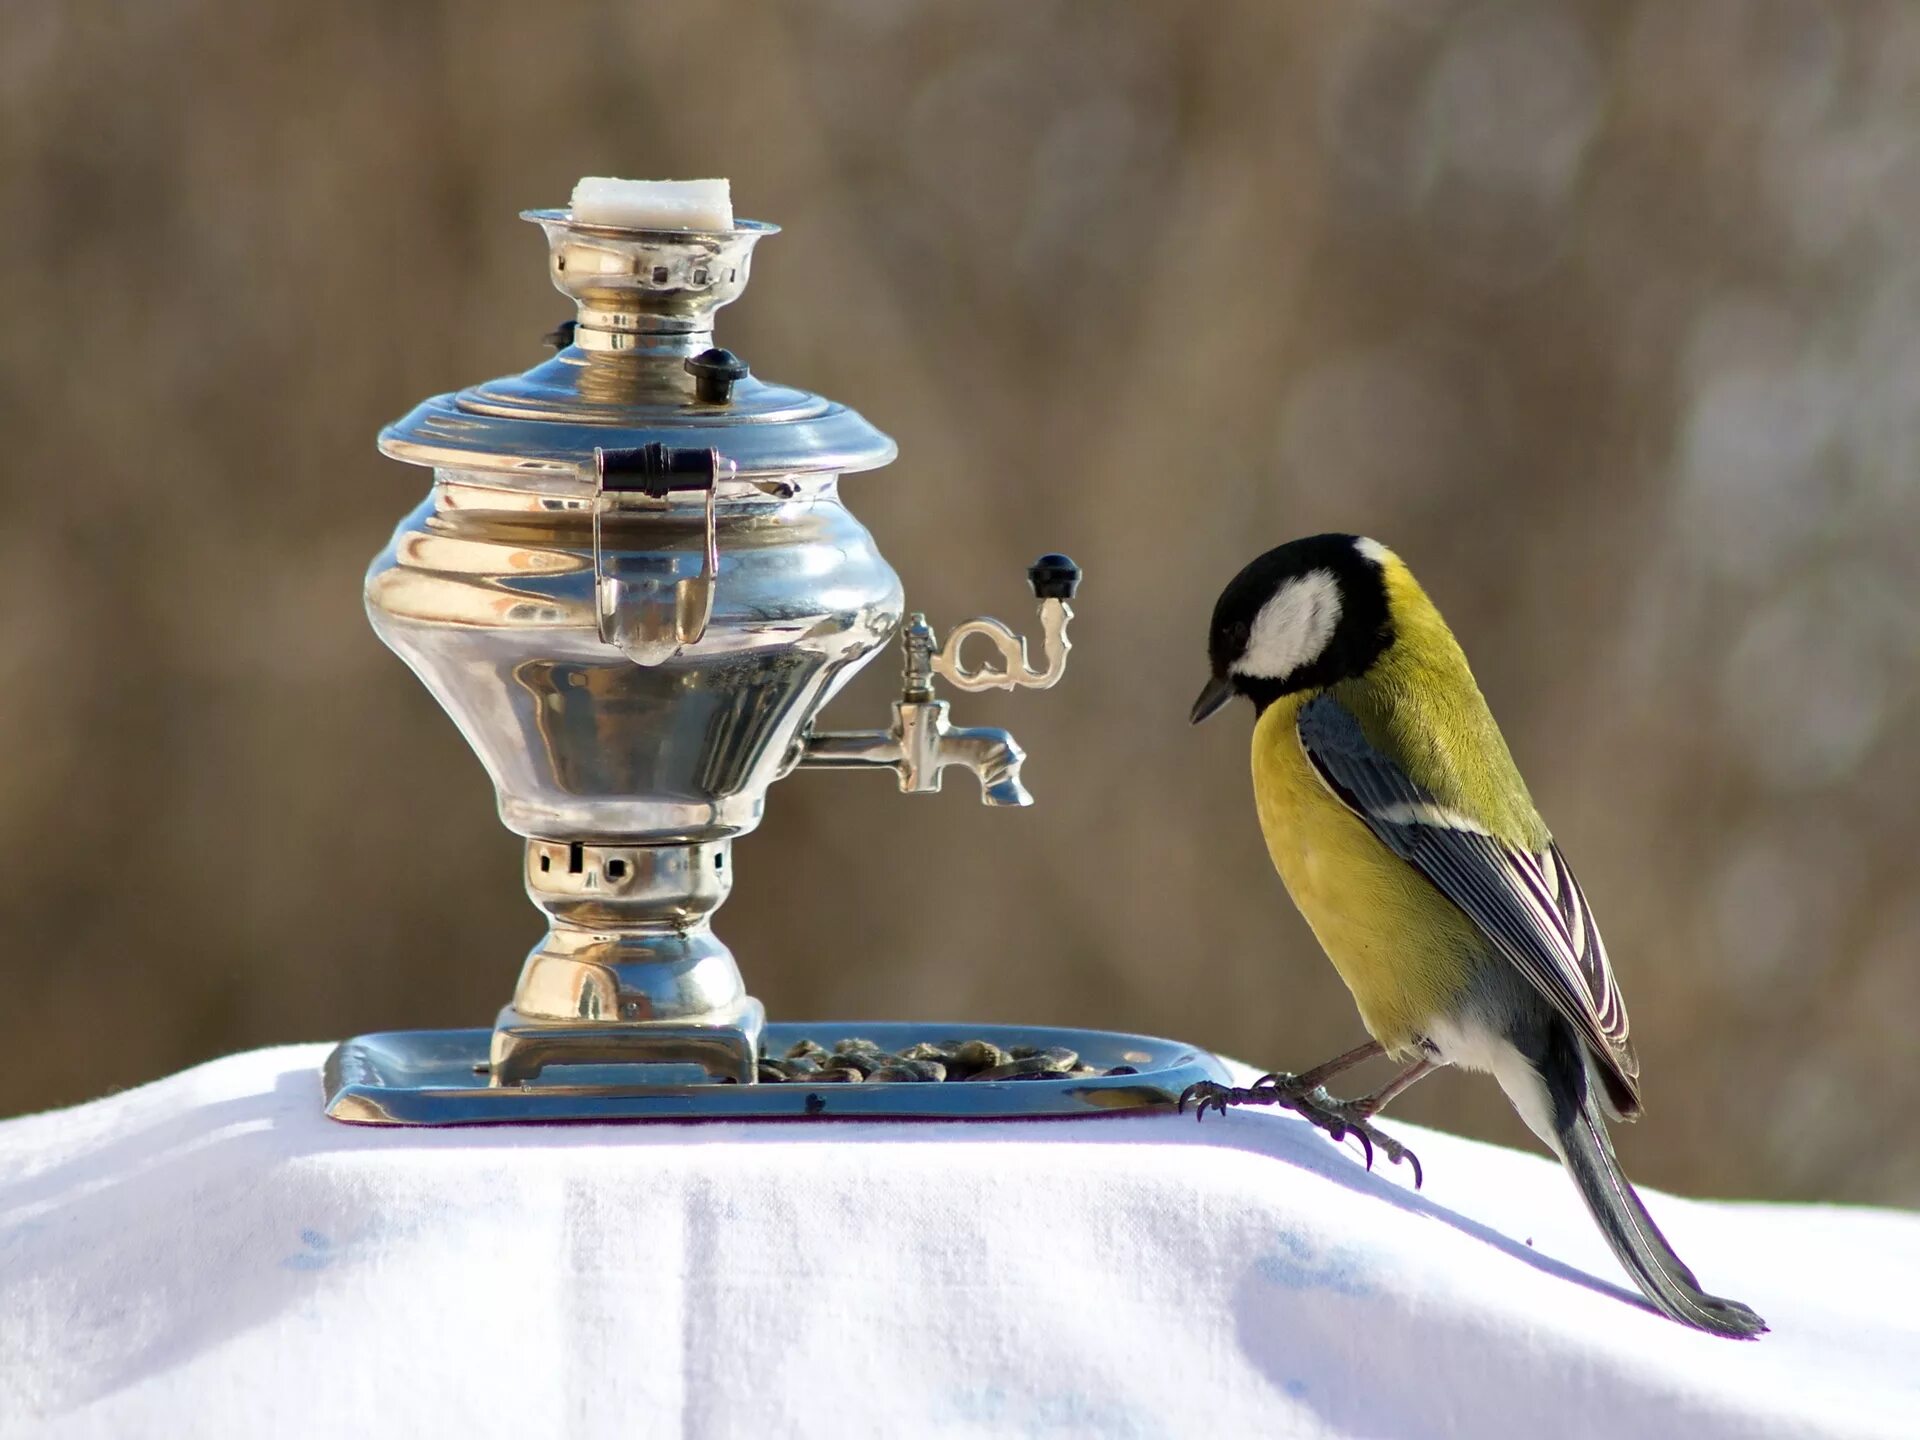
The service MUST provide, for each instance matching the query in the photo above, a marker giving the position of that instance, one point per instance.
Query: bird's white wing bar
(1608, 1008)
(1529, 906)
(1424, 814)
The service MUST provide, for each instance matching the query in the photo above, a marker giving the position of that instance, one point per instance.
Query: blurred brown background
(1606, 316)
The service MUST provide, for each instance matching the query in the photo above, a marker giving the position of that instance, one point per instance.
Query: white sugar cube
(654, 204)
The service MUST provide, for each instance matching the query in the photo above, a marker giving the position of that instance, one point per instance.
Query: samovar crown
(637, 365)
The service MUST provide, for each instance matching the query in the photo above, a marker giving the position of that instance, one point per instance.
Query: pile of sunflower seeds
(855, 1061)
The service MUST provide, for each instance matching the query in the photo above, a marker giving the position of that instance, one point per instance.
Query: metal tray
(440, 1077)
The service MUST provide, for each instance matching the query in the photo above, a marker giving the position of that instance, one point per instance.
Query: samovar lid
(640, 369)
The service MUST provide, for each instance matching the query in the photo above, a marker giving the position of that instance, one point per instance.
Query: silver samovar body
(633, 584)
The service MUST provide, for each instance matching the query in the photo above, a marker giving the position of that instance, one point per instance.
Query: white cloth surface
(210, 1256)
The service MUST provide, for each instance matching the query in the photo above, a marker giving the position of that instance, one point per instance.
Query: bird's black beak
(1217, 693)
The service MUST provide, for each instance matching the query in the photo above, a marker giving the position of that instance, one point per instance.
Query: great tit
(1406, 836)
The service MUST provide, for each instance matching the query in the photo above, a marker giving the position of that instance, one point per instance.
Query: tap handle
(1053, 577)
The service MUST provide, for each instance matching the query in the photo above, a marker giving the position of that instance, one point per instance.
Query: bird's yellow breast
(1405, 951)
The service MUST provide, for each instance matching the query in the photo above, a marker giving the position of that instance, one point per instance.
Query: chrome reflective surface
(646, 300)
(491, 598)
(633, 585)
(439, 1077)
(628, 944)
(647, 289)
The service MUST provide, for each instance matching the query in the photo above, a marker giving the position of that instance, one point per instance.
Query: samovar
(634, 585)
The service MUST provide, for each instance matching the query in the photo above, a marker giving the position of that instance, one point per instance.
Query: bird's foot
(1339, 1118)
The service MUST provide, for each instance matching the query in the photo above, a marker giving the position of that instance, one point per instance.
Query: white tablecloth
(208, 1256)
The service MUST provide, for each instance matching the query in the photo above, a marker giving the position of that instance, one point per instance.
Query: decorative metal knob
(1053, 577)
(715, 372)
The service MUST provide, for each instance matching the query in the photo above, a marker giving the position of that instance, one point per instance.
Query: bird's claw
(1203, 1094)
(1338, 1118)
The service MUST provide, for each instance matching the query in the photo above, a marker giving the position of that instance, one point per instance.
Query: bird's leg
(1303, 1094)
(1368, 1106)
(1308, 1081)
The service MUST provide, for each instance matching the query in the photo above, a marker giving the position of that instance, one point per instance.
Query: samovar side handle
(648, 626)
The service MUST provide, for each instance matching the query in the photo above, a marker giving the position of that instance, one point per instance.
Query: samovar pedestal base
(447, 1077)
(629, 972)
(726, 1045)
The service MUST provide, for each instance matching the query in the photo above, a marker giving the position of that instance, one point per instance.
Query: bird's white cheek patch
(1293, 628)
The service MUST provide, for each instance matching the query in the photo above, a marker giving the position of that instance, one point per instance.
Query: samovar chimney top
(647, 289)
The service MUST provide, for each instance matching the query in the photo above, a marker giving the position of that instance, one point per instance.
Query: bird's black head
(1310, 613)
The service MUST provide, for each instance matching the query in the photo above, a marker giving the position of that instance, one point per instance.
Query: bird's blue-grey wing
(1529, 906)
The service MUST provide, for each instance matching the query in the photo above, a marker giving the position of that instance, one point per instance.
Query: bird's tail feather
(1661, 1275)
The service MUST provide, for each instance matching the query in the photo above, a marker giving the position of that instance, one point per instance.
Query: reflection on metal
(442, 1077)
(633, 586)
